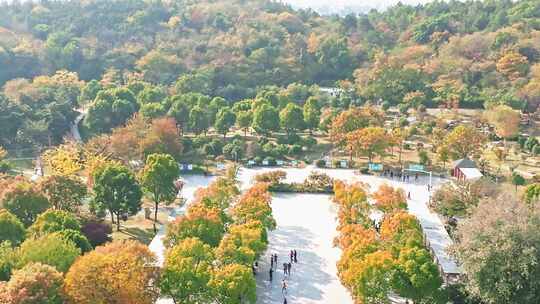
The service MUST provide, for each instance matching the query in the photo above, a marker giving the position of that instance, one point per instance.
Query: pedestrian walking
(284, 300)
(271, 273)
(275, 259)
(272, 261)
(289, 266)
(295, 257)
(285, 268)
(409, 195)
(283, 286)
(291, 255)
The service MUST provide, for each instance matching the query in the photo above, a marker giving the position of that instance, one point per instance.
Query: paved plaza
(307, 223)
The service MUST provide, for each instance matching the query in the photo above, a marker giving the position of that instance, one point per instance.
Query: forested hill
(451, 54)
(242, 44)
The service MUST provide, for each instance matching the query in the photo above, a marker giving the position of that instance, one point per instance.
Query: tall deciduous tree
(388, 198)
(505, 120)
(225, 119)
(35, 283)
(312, 113)
(11, 228)
(244, 120)
(291, 118)
(64, 192)
(119, 272)
(157, 179)
(233, 284)
(24, 201)
(463, 141)
(265, 119)
(369, 141)
(116, 190)
(498, 251)
(187, 272)
(50, 249)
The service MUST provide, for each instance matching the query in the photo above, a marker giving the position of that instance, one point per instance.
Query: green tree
(312, 113)
(291, 118)
(179, 110)
(11, 228)
(198, 120)
(265, 119)
(35, 283)
(224, 120)
(244, 120)
(115, 190)
(64, 192)
(152, 110)
(25, 202)
(233, 284)
(53, 221)
(50, 249)
(158, 180)
(532, 193)
(517, 180)
(187, 272)
(8, 260)
(416, 276)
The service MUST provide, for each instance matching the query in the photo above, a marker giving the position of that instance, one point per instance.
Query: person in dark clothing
(272, 261)
(271, 273)
(285, 268)
(289, 266)
(295, 259)
(275, 259)
(291, 255)
(284, 300)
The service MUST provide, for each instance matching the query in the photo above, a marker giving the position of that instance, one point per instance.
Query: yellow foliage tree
(119, 272)
(64, 159)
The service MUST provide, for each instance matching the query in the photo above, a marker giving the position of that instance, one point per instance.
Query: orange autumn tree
(389, 199)
(254, 205)
(353, 119)
(353, 204)
(119, 272)
(202, 222)
(370, 141)
(400, 227)
(355, 234)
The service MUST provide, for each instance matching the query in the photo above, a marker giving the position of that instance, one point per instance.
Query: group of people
(399, 175)
(287, 266)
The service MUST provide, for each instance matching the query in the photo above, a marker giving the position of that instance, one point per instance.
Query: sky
(334, 6)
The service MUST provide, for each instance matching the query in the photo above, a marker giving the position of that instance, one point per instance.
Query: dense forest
(121, 57)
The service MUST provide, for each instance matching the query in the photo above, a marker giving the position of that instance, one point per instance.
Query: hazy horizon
(334, 6)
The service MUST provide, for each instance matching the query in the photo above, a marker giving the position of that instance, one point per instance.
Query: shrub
(403, 122)
(271, 161)
(320, 163)
(280, 150)
(200, 141)
(11, 228)
(295, 150)
(187, 144)
(309, 141)
(536, 150)
(96, 232)
(385, 105)
(5, 167)
(258, 160)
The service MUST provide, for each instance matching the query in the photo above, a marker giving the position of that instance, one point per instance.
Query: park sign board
(416, 167)
(375, 167)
